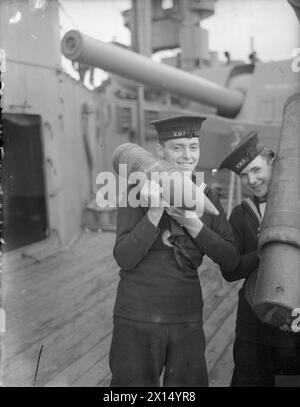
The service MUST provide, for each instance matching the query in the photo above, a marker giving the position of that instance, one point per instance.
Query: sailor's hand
(181, 214)
(187, 219)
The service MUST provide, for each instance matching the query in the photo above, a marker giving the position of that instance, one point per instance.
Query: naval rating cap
(245, 152)
(178, 127)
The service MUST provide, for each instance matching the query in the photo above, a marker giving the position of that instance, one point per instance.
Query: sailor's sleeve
(135, 236)
(248, 262)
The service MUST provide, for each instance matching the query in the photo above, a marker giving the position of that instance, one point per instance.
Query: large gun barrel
(277, 290)
(120, 61)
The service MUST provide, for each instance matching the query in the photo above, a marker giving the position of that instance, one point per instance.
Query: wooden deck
(61, 309)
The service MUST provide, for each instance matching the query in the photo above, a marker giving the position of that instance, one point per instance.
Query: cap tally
(178, 127)
(245, 152)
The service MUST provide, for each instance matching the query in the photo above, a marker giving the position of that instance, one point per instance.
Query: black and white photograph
(150, 196)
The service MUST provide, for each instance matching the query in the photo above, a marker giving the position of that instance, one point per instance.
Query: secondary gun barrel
(277, 290)
(112, 58)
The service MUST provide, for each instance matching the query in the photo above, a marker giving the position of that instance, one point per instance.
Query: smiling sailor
(261, 351)
(158, 309)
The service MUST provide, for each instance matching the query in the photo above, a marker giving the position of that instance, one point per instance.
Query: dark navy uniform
(160, 293)
(158, 310)
(261, 351)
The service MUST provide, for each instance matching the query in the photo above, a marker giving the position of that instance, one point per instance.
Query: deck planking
(64, 304)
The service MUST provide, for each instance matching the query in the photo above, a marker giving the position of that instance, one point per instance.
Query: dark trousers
(141, 350)
(262, 365)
